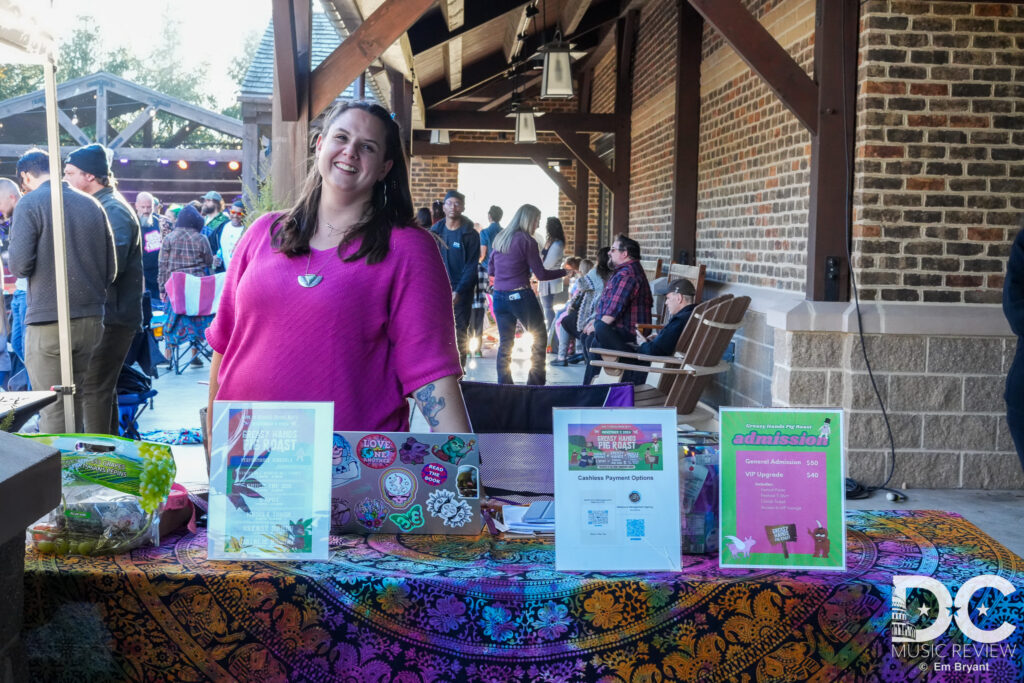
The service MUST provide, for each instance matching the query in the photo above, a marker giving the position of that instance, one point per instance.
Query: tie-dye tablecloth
(443, 608)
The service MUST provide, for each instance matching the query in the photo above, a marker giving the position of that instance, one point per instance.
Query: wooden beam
(367, 43)
(286, 59)
(625, 34)
(579, 145)
(506, 93)
(454, 13)
(179, 108)
(515, 29)
(687, 133)
(144, 117)
(582, 209)
(494, 150)
(77, 133)
(144, 154)
(831, 182)
(756, 46)
(290, 142)
(251, 159)
(452, 59)
(101, 115)
(572, 122)
(572, 14)
(432, 31)
(563, 183)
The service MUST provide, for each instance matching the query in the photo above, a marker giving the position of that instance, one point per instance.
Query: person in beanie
(461, 256)
(91, 267)
(187, 250)
(214, 220)
(88, 170)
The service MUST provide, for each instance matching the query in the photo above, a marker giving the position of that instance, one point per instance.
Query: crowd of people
(507, 272)
(117, 257)
(285, 328)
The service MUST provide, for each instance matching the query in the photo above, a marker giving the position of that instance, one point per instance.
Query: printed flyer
(782, 489)
(270, 498)
(616, 489)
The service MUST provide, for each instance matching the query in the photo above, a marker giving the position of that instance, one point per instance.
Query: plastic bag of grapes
(112, 493)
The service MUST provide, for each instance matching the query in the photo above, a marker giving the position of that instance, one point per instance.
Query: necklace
(310, 279)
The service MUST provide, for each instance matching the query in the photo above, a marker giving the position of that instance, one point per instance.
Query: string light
(182, 164)
(234, 165)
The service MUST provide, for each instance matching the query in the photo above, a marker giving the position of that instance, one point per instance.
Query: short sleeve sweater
(365, 337)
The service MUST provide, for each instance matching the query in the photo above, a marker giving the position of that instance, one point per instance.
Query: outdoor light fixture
(212, 162)
(439, 137)
(556, 81)
(123, 160)
(234, 165)
(182, 164)
(526, 124)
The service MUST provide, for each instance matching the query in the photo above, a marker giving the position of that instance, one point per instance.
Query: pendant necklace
(310, 279)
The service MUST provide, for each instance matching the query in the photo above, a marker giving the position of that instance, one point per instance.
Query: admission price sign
(616, 489)
(783, 489)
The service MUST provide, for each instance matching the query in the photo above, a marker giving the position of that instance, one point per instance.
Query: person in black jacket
(1013, 309)
(679, 305)
(460, 254)
(88, 170)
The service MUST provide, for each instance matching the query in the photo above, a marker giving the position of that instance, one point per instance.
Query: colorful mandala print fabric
(411, 609)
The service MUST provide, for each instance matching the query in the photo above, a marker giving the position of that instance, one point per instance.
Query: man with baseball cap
(88, 169)
(91, 267)
(214, 220)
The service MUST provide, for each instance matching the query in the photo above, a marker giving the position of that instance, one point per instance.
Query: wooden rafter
(491, 150)
(432, 31)
(363, 46)
(503, 92)
(572, 14)
(144, 117)
(625, 38)
(556, 176)
(515, 29)
(579, 145)
(687, 133)
(453, 62)
(77, 133)
(471, 120)
(764, 56)
(454, 13)
(101, 115)
(140, 154)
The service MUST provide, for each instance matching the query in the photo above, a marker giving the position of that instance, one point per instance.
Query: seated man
(625, 302)
(679, 305)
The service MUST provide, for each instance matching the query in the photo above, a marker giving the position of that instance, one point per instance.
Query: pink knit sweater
(365, 338)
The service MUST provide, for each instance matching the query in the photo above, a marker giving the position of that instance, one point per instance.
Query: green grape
(48, 547)
(86, 547)
(157, 475)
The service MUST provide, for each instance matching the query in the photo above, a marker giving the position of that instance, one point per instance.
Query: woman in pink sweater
(341, 298)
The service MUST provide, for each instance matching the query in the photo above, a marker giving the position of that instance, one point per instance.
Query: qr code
(634, 528)
(597, 518)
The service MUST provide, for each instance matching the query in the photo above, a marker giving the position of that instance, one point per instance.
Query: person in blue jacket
(461, 254)
(1013, 308)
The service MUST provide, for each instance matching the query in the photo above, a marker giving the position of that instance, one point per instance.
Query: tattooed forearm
(430, 405)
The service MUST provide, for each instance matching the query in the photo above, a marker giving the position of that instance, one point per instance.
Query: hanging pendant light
(556, 82)
(525, 116)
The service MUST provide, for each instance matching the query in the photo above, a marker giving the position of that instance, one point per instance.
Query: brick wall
(754, 161)
(431, 178)
(943, 396)
(653, 129)
(940, 163)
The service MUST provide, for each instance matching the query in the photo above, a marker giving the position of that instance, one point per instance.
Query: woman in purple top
(340, 298)
(515, 255)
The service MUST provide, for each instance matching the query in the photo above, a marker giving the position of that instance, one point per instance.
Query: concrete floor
(999, 513)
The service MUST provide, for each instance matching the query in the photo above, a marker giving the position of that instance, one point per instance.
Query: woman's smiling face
(350, 155)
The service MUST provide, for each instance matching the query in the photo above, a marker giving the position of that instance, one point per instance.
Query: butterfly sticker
(413, 519)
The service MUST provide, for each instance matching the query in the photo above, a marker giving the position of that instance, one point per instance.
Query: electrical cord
(854, 489)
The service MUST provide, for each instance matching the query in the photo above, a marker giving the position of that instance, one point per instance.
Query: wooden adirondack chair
(675, 271)
(698, 357)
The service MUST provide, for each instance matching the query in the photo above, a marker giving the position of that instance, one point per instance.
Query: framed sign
(270, 484)
(616, 489)
(782, 500)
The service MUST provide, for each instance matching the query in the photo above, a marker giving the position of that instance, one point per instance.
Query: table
(445, 608)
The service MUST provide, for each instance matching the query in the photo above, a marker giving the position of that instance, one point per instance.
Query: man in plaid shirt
(625, 303)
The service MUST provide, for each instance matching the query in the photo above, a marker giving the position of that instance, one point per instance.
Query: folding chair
(193, 301)
(135, 393)
(697, 358)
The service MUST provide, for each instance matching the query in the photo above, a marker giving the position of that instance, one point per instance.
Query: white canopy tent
(25, 38)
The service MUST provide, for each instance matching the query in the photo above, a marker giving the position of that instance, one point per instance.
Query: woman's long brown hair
(292, 231)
